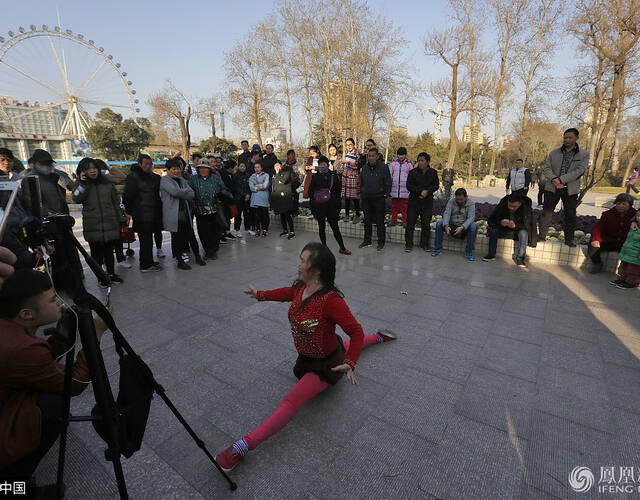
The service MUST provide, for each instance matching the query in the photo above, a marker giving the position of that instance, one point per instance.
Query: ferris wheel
(55, 69)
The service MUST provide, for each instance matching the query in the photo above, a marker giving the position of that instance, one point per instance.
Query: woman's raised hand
(253, 291)
(345, 368)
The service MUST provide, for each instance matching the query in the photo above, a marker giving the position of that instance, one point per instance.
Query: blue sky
(186, 41)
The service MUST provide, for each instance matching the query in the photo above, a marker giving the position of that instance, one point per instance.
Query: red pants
(307, 387)
(629, 272)
(399, 203)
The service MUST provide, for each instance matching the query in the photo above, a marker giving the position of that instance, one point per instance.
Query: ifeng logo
(581, 479)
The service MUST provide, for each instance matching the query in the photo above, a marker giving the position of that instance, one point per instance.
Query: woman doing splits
(317, 306)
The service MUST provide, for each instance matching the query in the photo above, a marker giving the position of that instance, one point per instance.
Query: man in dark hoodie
(513, 219)
(375, 187)
(242, 196)
(142, 200)
(245, 156)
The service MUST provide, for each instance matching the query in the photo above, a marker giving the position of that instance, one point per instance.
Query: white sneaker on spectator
(160, 253)
(185, 257)
(124, 264)
(252, 233)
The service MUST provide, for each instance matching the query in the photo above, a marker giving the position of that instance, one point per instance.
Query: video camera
(37, 232)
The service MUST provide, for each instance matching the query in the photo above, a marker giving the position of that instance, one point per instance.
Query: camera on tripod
(37, 232)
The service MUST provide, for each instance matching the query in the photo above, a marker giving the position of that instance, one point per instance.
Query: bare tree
(248, 78)
(539, 21)
(611, 30)
(171, 104)
(507, 18)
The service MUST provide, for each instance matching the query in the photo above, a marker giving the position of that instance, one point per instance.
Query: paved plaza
(502, 381)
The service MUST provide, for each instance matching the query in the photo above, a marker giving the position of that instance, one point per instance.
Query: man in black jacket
(375, 187)
(242, 197)
(269, 160)
(513, 219)
(245, 156)
(142, 200)
(422, 182)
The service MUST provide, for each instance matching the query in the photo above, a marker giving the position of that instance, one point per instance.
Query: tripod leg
(68, 369)
(160, 391)
(103, 395)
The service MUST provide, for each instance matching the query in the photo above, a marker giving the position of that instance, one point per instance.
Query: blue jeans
(520, 247)
(471, 233)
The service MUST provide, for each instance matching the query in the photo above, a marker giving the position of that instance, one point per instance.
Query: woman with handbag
(283, 197)
(317, 306)
(310, 169)
(324, 198)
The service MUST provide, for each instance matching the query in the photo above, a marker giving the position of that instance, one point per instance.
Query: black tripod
(109, 413)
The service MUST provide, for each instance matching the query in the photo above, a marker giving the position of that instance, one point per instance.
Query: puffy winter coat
(399, 173)
(142, 200)
(283, 193)
(631, 249)
(102, 218)
(259, 185)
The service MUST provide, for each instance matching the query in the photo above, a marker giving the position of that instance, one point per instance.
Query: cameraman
(31, 380)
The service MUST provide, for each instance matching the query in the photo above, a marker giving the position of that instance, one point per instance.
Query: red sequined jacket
(313, 326)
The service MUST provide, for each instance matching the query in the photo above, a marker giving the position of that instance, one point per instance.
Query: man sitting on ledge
(457, 221)
(512, 218)
(31, 380)
(611, 230)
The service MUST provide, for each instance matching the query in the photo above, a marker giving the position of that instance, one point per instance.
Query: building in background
(26, 127)
(473, 134)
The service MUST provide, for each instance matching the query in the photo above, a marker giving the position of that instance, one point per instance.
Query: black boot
(200, 261)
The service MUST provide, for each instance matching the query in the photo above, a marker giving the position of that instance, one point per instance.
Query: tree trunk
(471, 144)
(595, 116)
(184, 134)
(496, 131)
(453, 115)
(615, 152)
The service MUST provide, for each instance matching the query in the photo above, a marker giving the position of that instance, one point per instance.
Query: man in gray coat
(562, 171)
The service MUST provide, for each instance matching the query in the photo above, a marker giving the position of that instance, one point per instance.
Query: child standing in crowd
(399, 170)
(102, 218)
(259, 184)
(242, 196)
(351, 180)
(630, 258)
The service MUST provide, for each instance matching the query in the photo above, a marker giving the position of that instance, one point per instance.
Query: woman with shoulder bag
(324, 198)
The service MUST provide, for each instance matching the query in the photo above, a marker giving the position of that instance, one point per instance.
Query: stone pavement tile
(557, 446)
(529, 492)
(479, 307)
(627, 438)
(432, 307)
(475, 461)
(518, 327)
(448, 359)
(487, 290)
(527, 306)
(385, 308)
(619, 351)
(498, 400)
(566, 319)
(511, 357)
(375, 461)
(238, 334)
(415, 330)
(277, 313)
(572, 354)
(385, 363)
(622, 384)
(466, 327)
(578, 398)
(338, 413)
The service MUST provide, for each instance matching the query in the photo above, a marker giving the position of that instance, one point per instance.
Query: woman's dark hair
(371, 141)
(19, 289)
(290, 151)
(143, 157)
(101, 164)
(314, 148)
(84, 164)
(173, 162)
(322, 260)
(402, 151)
(350, 139)
(7, 153)
(332, 145)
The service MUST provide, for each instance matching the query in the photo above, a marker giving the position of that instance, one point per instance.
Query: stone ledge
(548, 252)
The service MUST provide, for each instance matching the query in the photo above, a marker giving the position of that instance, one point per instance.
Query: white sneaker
(237, 234)
(185, 257)
(160, 253)
(252, 233)
(124, 264)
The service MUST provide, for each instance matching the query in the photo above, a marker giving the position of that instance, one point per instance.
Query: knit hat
(622, 197)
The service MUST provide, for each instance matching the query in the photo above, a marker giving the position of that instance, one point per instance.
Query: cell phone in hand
(8, 194)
